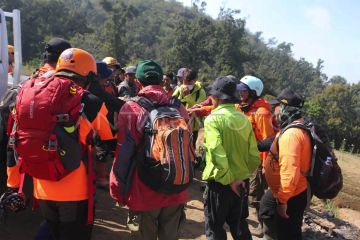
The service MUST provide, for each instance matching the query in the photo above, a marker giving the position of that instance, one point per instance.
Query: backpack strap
(144, 103)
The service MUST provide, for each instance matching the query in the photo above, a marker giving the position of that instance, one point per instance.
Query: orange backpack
(168, 163)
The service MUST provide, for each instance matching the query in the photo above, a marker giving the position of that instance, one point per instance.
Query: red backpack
(44, 108)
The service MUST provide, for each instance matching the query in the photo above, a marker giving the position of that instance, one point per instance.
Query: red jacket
(131, 121)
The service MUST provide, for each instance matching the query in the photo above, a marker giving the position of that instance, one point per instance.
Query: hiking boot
(133, 221)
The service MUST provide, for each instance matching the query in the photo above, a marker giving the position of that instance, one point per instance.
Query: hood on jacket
(155, 93)
(260, 102)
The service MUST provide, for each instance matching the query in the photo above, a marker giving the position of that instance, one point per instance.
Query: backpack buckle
(12, 141)
(150, 131)
(52, 144)
(62, 117)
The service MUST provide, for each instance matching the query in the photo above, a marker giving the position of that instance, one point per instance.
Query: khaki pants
(160, 223)
(258, 186)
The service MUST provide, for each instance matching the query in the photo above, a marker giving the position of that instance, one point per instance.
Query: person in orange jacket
(282, 207)
(11, 52)
(52, 51)
(258, 111)
(70, 213)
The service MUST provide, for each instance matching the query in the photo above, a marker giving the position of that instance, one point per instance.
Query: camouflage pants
(258, 186)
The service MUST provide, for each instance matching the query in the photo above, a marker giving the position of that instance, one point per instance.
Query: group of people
(241, 135)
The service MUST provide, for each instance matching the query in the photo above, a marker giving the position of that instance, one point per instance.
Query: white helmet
(253, 83)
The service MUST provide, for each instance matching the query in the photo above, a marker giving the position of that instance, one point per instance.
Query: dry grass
(349, 197)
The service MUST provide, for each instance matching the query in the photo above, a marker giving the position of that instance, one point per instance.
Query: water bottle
(325, 170)
(328, 161)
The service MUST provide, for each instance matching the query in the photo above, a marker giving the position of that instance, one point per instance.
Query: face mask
(190, 87)
(286, 115)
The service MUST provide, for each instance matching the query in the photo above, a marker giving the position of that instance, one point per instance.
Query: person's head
(167, 79)
(180, 75)
(53, 49)
(288, 108)
(11, 52)
(103, 71)
(250, 88)
(223, 90)
(118, 73)
(130, 74)
(78, 65)
(149, 72)
(190, 78)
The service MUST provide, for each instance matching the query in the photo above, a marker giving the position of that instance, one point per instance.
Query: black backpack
(325, 175)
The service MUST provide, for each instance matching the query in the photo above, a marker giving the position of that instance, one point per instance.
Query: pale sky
(326, 29)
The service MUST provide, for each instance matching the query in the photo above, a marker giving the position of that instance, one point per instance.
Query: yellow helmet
(111, 61)
(11, 49)
(78, 61)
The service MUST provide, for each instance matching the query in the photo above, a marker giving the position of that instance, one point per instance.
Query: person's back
(160, 213)
(231, 158)
(69, 213)
(236, 137)
(52, 51)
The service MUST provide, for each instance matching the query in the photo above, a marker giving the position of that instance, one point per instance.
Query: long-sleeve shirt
(231, 150)
(294, 162)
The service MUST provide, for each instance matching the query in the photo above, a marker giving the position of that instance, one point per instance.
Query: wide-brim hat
(224, 88)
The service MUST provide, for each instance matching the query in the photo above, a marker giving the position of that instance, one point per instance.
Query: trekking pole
(242, 193)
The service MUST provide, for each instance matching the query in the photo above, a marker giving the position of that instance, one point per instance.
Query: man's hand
(281, 210)
(185, 91)
(236, 185)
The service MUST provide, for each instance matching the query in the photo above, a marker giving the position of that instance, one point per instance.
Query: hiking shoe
(133, 221)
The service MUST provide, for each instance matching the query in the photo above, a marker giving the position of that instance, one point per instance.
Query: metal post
(4, 60)
(17, 46)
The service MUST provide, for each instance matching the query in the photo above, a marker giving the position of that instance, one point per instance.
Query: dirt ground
(110, 222)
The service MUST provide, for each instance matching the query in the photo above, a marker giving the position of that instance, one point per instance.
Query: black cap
(224, 88)
(57, 46)
(290, 98)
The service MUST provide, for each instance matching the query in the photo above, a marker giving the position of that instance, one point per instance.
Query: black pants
(67, 220)
(276, 227)
(223, 205)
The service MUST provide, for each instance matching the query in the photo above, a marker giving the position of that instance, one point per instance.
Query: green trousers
(160, 223)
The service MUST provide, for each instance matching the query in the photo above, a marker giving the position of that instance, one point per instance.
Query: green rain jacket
(231, 149)
(197, 95)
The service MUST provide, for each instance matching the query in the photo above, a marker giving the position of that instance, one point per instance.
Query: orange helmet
(78, 61)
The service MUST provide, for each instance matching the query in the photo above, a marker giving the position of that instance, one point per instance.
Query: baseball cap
(130, 70)
(181, 72)
(149, 72)
(289, 98)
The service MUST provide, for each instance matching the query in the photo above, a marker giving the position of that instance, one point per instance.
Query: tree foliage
(177, 36)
